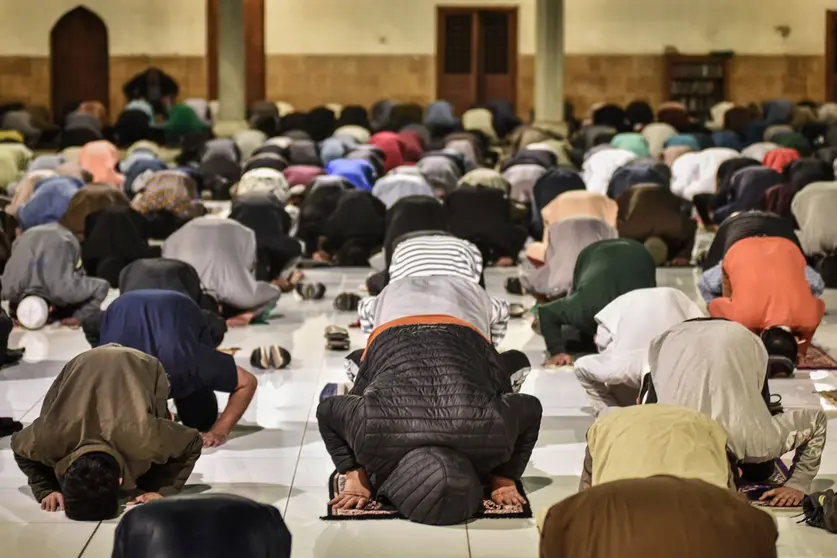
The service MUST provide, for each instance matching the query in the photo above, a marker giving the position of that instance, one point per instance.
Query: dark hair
(91, 488)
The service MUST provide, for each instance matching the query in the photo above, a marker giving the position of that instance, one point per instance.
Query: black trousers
(198, 410)
(273, 261)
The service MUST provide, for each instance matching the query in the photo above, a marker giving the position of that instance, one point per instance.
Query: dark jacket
(430, 385)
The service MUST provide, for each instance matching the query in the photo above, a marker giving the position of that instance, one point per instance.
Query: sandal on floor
(775, 407)
(513, 286)
(273, 356)
(311, 291)
(346, 302)
(337, 338)
(517, 310)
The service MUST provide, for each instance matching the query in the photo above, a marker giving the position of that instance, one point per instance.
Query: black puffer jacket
(431, 385)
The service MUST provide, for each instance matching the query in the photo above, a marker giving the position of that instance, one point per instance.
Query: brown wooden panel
(254, 43)
(831, 55)
(456, 60)
(254, 49)
(79, 60)
(212, 48)
(497, 55)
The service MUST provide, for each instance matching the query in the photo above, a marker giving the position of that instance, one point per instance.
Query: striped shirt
(436, 256)
(431, 255)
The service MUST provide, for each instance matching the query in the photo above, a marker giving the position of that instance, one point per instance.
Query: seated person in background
(649, 440)
(43, 279)
(719, 368)
(173, 275)
(626, 328)
(432, 418)
(180, 527)
(604, 271)
(170, 326)
(223, 252)
(657, 517)
(767, 287)
(104, 426)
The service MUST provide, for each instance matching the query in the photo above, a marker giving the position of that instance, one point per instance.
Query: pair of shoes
(9, 426)
(311, 291)
(819, 510)
(273, 356)
(516, 310)
(346, 302)
(337, 338)
(12, 356)
(775, 405)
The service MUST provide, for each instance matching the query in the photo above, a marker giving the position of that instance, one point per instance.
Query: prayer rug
(817, 359)
(778, 478)
(384, 510)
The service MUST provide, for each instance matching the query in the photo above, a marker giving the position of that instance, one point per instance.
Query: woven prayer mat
(384, 510)
(778, 478)
(817, 359)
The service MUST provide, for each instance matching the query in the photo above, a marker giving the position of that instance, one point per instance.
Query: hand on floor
(782, 497)
(145, 498)
(504, 492)
(53, 502)
(241, 320)
(356, 493)
(504, 262)
(70, 322)
(562, 359)
(213, 439)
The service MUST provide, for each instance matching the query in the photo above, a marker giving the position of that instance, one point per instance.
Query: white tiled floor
(277, 456)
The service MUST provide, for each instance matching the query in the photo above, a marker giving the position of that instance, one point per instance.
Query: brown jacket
(113, 400)
(657, 517)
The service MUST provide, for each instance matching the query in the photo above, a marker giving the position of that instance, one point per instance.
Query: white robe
(598, 169)
(627, 326)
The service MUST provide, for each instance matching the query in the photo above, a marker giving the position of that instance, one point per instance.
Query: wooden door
(497, 55)
(476, 55)
(254, 56)
(79, 60)
(456, 57)
(831, 55)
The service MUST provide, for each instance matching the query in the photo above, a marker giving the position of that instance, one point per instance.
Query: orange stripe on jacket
(426, 319)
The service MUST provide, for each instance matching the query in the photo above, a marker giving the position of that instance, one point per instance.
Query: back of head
(434, 486)
(782, 350)
(91, 488)
(209, 526)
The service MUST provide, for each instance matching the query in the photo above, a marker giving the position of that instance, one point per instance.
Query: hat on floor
(33, 312)
(434, 486)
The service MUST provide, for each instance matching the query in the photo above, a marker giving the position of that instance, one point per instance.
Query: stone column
(549, 62)
(232, 88)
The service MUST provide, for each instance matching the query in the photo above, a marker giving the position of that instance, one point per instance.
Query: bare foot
(241, 320)
(319, 256)
(504, 262)
(70, 322)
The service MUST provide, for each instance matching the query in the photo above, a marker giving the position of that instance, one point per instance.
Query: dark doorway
(79, 58)
(254, 57)
(831, 55)
(476, 55)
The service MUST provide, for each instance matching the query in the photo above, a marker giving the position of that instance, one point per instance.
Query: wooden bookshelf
(699, 82)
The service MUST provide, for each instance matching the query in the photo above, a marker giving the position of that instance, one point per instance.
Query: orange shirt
(768, 287)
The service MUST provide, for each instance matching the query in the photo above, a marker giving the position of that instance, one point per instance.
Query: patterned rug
(384, 510)
(754, 490)
(817, 359)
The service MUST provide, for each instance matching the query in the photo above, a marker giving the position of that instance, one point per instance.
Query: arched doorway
(79, 57)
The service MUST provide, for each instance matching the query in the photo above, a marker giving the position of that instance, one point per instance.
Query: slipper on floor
(337, 338)
(775, 405)
(517, 310)
(311, 291)
(513, 286)
(273, 356)
(346, 302)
